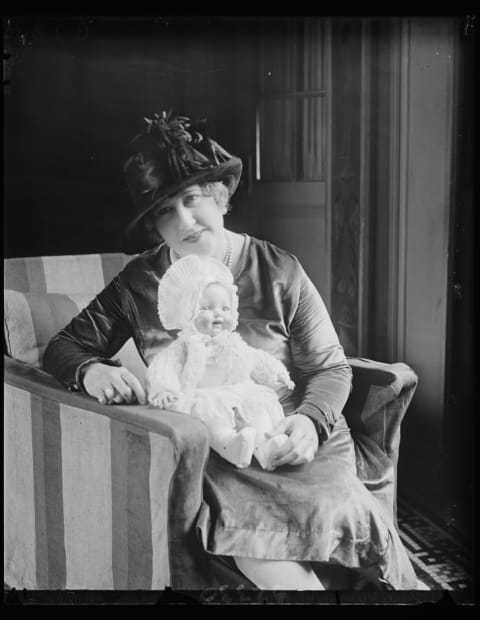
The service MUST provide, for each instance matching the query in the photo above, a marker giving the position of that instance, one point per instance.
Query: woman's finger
(295, 436)
(307, 457)
(280, 429)
(135, 385)
(123, 389)
(298, 451)
(108, 393)
(284, 453)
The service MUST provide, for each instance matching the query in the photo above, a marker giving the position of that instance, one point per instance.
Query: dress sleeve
(319, 360)
(94, 335)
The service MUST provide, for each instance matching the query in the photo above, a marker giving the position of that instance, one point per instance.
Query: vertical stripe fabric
(86, 499)
(82, 274)
(112, 264)
(73, 274)
(32, 319)
(15, 274)
(19, 513)
(41, 532)
(42, 294)
(139, 524)
(36, 275)
(53, 497)
(119, 473)
(139, 512)
(86, 496)
(86, 477)
(162, 460)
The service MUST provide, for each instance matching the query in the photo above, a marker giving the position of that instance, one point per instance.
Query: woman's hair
(218, 191)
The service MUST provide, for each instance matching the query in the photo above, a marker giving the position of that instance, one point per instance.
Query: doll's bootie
(239, 450)
(267, 449)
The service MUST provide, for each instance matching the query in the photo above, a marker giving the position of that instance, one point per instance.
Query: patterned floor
(440, 561)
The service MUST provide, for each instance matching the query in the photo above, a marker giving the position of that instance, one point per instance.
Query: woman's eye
(164, 211)
(191, 198)
(225, 308)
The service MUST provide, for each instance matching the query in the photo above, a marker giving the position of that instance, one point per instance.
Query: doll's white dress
(222, 381)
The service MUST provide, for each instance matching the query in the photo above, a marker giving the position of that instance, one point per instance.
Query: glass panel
(278, 59)
(278, 140)
(313, 143)
(313, 74)
(291, 128)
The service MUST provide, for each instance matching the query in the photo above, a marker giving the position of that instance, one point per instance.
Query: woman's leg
(279, 574)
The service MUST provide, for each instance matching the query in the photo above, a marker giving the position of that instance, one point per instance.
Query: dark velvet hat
(171, 154)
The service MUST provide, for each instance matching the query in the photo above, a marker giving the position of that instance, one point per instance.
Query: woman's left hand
(302, 440)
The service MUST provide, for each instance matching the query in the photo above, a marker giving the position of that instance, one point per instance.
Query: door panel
(294, 217)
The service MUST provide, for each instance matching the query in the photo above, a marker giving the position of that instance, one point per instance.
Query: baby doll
(209, 371)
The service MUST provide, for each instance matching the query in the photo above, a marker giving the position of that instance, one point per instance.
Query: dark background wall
(77, 94)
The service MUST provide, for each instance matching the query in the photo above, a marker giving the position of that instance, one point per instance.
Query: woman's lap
(319, 512)
(256, 513)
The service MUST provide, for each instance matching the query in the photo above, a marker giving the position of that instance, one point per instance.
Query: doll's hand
(285, 380)
(163, 399)
(302, 441)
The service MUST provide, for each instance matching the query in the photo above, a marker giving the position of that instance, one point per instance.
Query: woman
(277, 528)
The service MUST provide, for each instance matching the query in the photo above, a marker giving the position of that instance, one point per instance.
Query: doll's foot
(239, 450)
(267, 449)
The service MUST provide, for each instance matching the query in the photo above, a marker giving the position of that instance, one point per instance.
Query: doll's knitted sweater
(181, 366)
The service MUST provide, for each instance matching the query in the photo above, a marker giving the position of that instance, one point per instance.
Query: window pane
(313, 73)
(278, 59)
(291, 101)
(278, 140)
(313, 143)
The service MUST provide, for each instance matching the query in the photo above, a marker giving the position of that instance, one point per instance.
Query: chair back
(43, 293)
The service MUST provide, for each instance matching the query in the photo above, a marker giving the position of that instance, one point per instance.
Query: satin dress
(319, 512)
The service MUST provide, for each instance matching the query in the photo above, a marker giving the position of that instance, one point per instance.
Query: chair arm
(374, 411)
(74, 465)
(381, 394)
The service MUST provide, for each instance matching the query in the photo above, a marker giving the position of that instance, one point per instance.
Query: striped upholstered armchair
(100, 497)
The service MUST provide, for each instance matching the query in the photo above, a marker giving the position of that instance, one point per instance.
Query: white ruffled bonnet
(182, 285)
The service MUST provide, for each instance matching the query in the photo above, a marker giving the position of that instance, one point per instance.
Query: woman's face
(191, 223)
(215, 311)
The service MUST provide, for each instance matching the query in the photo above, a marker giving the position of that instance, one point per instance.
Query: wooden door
(290, 189)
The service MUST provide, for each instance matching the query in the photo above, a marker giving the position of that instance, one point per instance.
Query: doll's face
(215, 311)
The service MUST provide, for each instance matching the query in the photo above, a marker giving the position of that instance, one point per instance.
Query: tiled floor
(440, 561)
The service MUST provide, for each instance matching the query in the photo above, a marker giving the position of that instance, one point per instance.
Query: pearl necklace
(227, 259)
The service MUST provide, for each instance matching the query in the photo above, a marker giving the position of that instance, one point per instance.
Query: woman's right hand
(113, 385)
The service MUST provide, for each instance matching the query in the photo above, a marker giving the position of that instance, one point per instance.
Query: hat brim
(137, 239)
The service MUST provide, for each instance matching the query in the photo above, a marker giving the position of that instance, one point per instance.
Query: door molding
(397, 204)
(365, 190)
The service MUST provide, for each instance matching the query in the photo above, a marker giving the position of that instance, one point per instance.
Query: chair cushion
(32, 319)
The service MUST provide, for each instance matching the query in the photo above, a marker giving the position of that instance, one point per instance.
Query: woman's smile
(194, 237)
